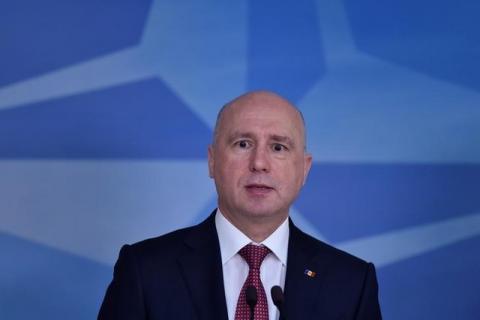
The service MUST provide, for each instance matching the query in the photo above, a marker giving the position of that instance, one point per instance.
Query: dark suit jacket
(179, 276)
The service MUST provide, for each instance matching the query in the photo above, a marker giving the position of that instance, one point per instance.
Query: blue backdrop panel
(37, 37)
(358, 200)
(441, 284)
(141, 120)
(436, 38)
(41, 282)
(284, 48)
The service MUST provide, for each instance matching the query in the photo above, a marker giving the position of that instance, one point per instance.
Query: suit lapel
(202, 270)
(304, 276)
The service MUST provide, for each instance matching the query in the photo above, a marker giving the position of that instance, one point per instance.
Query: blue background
(106, 109)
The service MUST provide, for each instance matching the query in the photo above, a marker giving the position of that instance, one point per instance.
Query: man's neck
(256, 229)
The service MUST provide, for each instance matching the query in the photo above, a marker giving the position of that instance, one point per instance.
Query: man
(259, 163)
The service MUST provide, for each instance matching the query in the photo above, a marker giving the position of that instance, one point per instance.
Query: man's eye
(242, 144)
(279, 147)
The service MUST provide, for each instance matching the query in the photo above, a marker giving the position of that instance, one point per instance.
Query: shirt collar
(232, 239)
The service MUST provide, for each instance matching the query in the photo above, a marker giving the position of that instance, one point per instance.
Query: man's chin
(263, 212)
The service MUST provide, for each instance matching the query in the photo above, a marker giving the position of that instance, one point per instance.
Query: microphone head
(277, 296)
(251, 296)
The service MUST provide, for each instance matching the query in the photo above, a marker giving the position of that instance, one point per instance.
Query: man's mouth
(259, 189)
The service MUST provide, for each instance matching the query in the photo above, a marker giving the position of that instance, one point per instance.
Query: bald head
(259, 100)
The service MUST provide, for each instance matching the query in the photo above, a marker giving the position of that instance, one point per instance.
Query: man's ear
(211, 163)
(307, 165)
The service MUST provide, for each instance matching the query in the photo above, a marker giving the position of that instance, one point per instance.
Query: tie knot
(254, 255)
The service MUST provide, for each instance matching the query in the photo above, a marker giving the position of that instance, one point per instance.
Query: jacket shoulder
(175, 243)
(327, 254)
(164, 244)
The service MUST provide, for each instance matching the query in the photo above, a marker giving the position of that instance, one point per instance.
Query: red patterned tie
(254, 256)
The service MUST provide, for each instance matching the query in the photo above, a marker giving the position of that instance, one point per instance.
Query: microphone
(251, 297)
(279, 300)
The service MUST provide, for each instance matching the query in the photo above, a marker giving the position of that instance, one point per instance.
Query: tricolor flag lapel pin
(310, 273)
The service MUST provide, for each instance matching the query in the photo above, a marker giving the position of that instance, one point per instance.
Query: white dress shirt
(235, 268)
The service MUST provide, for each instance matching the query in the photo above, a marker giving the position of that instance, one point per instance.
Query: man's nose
(259, 160)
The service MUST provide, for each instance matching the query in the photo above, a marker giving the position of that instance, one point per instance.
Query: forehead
(261, 114)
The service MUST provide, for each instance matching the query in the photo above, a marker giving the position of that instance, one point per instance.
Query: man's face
(258, 160)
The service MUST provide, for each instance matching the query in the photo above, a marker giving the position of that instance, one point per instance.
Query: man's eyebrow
(284, 139)
(274, 137)
(238, 134)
